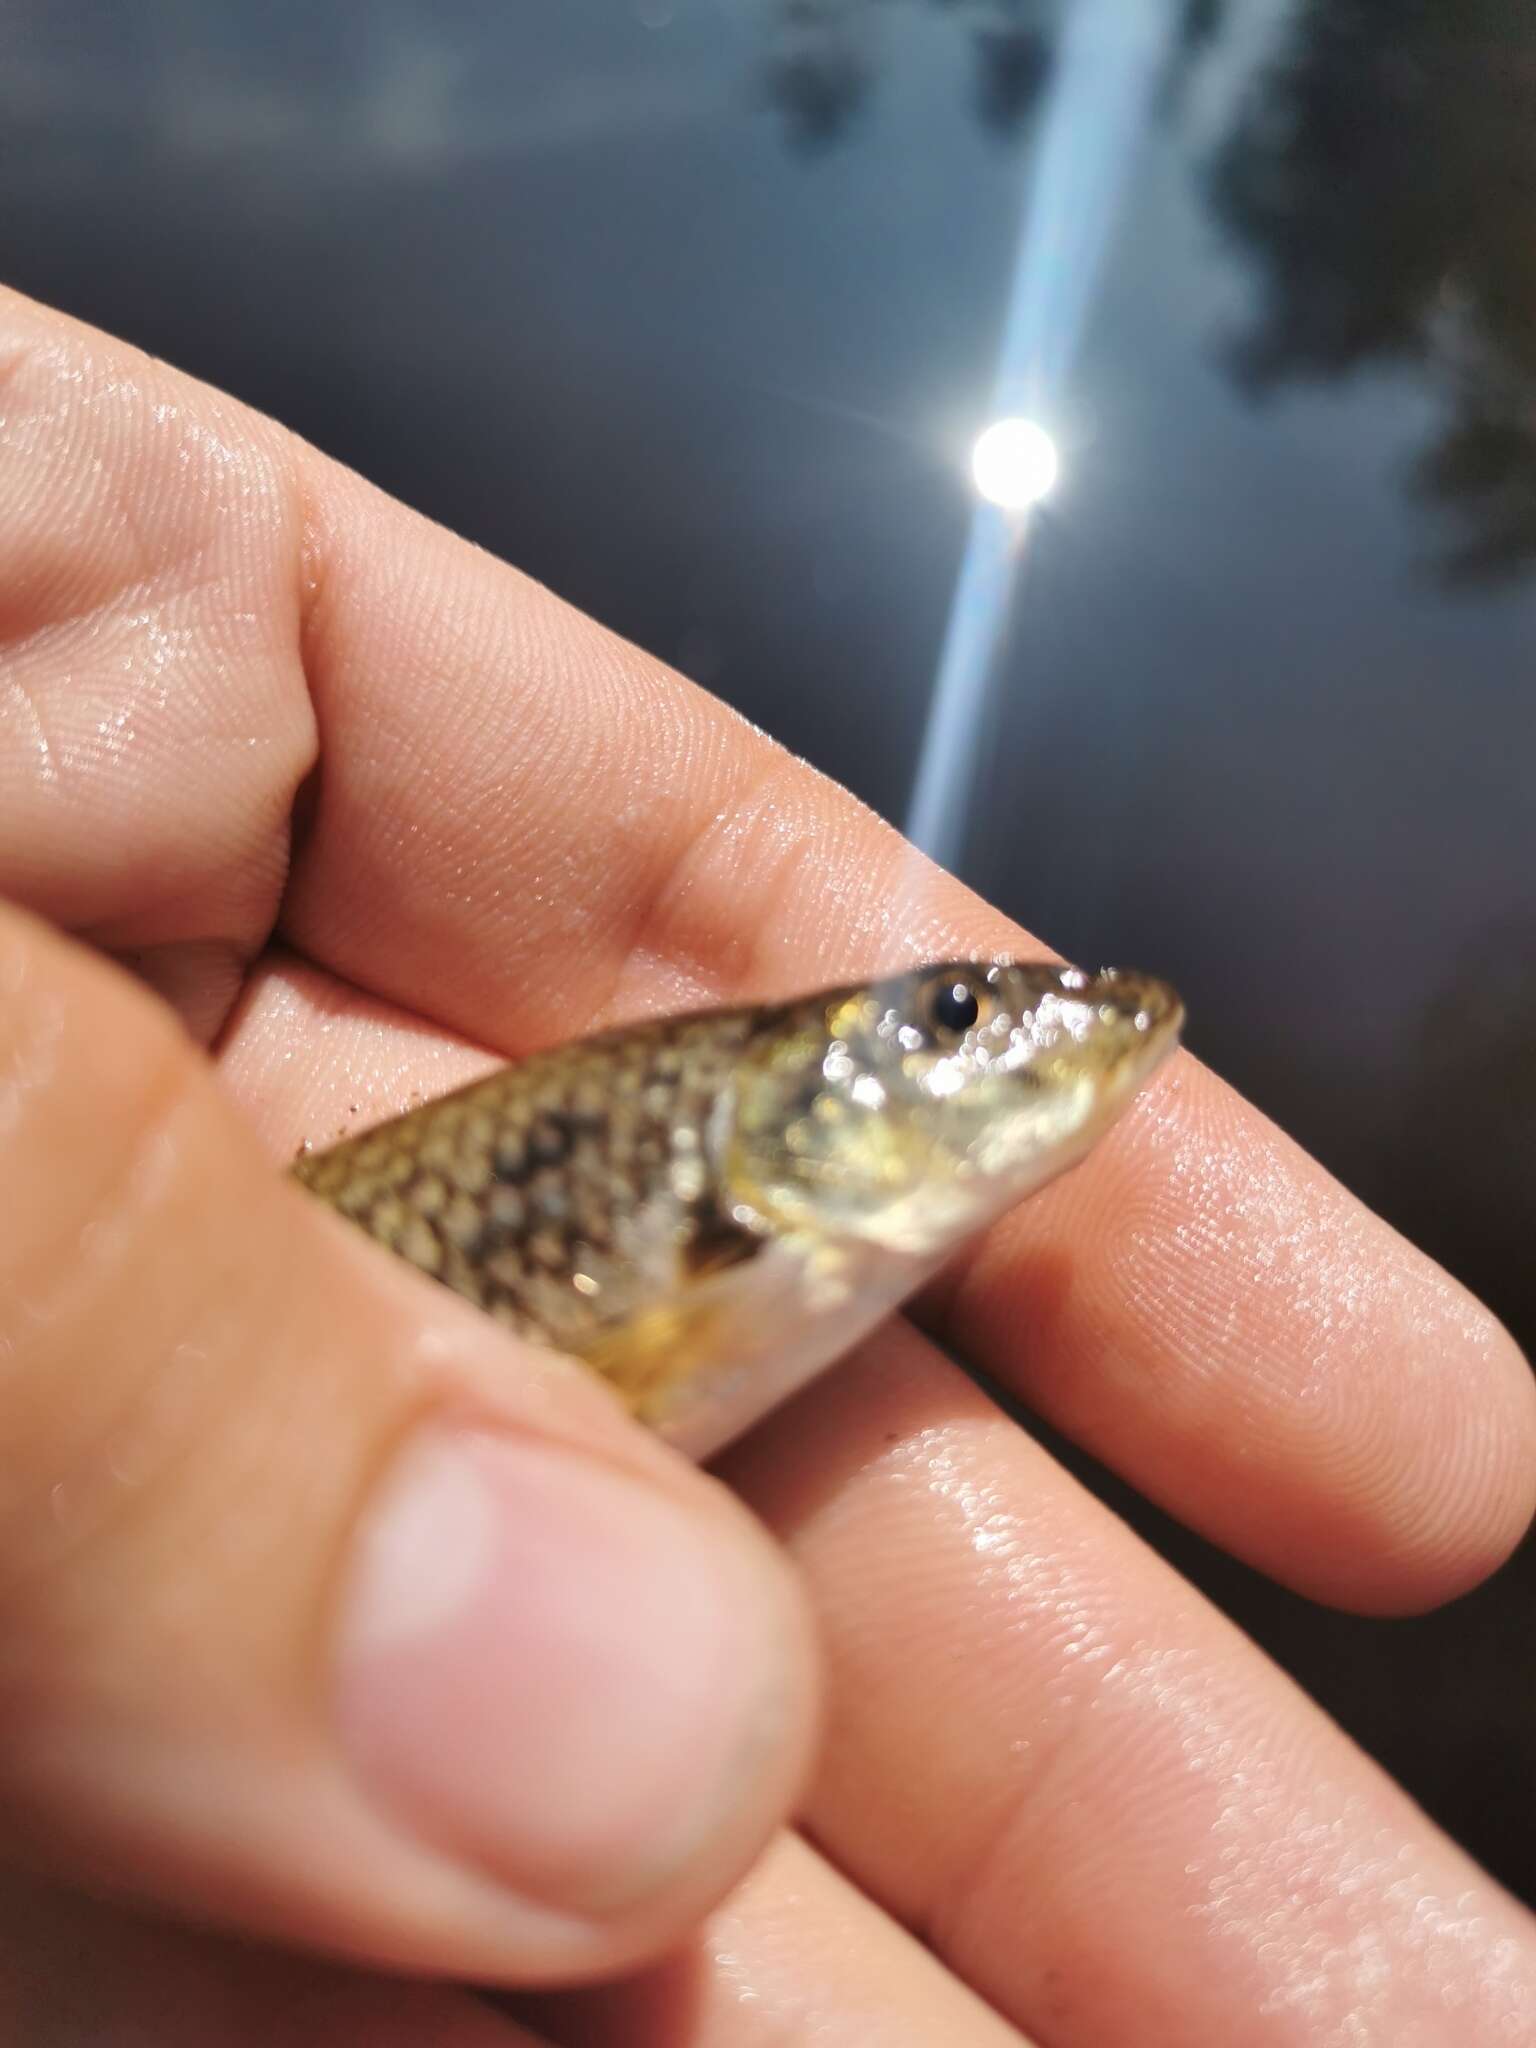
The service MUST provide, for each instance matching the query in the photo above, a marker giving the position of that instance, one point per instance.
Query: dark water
(692, 307)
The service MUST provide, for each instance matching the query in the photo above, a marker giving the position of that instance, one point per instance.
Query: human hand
(362, 803)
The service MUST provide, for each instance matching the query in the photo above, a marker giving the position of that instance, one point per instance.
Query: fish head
(910, 1111)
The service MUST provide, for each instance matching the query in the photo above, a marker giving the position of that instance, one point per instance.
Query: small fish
(710, 1208)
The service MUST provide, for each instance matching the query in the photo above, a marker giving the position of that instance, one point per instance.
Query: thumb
(325, 1609)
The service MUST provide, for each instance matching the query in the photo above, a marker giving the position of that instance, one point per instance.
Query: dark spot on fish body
(549, 1141)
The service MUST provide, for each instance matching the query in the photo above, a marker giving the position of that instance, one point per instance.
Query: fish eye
(951, 1007)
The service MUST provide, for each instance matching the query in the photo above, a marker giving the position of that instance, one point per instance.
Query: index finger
(521, 825)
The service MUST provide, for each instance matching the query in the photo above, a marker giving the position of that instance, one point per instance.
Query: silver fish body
(710, 1208)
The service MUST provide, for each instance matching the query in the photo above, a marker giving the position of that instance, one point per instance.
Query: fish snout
(1147, 1003)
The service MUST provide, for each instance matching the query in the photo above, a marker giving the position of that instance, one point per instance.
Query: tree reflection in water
(821, 71)
(1383, 171)
(823, 68)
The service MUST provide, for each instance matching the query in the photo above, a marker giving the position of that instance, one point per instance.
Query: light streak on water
(1106, 73)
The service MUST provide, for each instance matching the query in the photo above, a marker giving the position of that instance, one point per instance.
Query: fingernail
(553, 1670)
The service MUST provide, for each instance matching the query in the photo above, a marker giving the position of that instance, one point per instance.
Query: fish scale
(523, 1191)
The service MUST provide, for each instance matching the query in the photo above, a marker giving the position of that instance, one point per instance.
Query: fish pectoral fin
(660, 1348)
(656, 1353)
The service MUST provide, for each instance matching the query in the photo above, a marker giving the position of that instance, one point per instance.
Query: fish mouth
(1080, 1050)
(1124, 997)
(1110, 1028)
(1143, 1015)
(1152, 1007)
